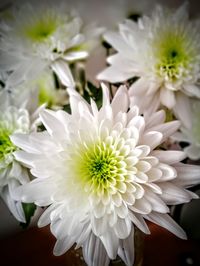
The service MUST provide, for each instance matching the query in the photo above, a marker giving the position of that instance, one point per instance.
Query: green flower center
(100, 168)
(174, 56)
(6, 146)
(41, 29)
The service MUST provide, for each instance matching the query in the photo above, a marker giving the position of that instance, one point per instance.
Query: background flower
(100, 174)
(14, 118)
(35, 37)
(163, 51)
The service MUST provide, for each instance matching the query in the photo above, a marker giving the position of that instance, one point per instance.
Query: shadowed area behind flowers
(34, 247)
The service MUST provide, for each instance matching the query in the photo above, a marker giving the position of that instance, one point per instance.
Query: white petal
(169, 157)
(141, 206)
(139, 87)
(120, 100)
(51, 123)
(111, 242)
(167, 129)
(94, 252)
(114, 74)
(22, 74)
(106, 95)
(168, 172)
(45, 217)
(182, 109)
(23, 141)
(143, 166)
(62, 245)
(154, 174)
(61, 68)
(117, 42)
(173, 194)
(138, 122)
(122, 228)
(78, 55)
(138, 220)
(152, 139)
(167, 98)
(192, 90)
(126, 249)
(14, 206)
(75, 99)
(157, 204)
(187, 175)
(125, 64)
(155, 119)
(147, 107)
(99, 225)
(167, 222)
(38, 191)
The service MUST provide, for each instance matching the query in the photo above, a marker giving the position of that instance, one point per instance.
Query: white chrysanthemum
(13, 119)
(163, 50)
(101, 175)
(187, 110)
(38, 36)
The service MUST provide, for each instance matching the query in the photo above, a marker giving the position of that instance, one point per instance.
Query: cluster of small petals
(101, 174)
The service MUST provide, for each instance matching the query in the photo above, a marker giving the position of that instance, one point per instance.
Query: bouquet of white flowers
(99, 159)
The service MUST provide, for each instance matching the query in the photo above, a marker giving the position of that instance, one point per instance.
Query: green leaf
(29, 210)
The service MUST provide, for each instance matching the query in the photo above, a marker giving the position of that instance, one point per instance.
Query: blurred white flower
(13, 119)
(163, 51)
(101, 175)
(187, 110)
(38, 36)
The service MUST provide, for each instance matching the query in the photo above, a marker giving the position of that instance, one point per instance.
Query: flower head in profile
(163, 51)
(187, 110)
(37, 36)
(14, 118)
(100, 175)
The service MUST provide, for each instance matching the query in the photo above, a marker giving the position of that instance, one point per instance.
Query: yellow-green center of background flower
(41, 28)
(6, 146)
(173, 55)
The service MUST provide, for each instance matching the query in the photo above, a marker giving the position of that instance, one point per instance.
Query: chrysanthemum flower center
(6, 146)
(174, 55)
(41, 29)
(99, 166)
